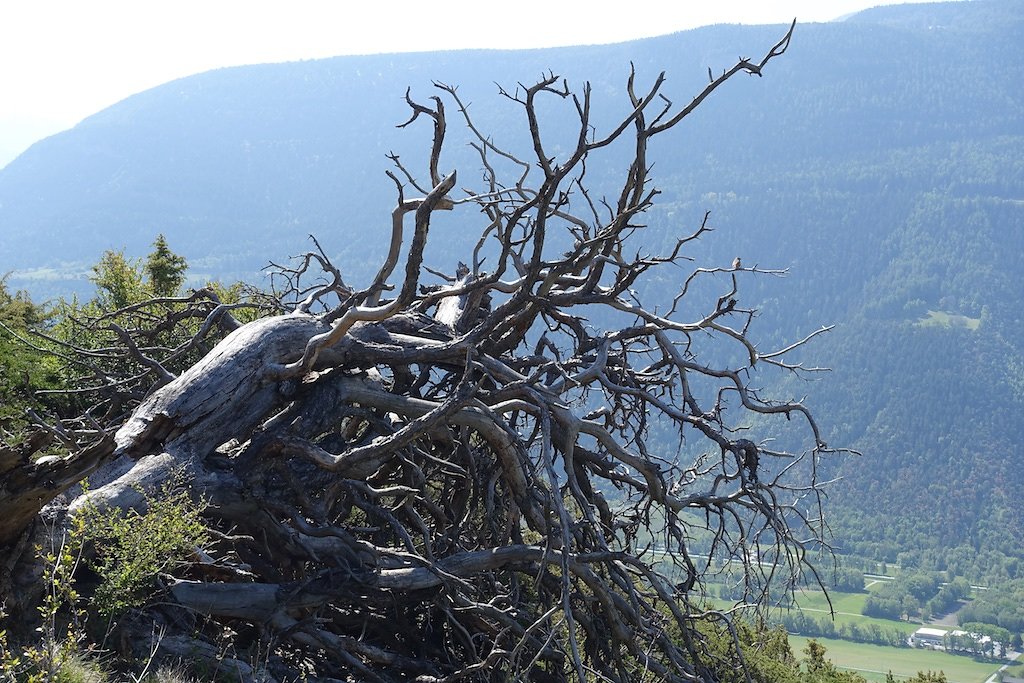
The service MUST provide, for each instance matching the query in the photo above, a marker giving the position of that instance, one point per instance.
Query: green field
(944, 319)
(851, 603)
(873, 661)
(847, 608)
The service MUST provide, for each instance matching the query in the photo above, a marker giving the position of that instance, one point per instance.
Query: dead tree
(458, 480)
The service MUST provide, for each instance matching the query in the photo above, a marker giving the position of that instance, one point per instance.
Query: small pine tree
(118, 281)
(165, 269)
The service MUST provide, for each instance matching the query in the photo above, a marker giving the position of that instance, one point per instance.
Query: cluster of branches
(100, 359)
(470, 480)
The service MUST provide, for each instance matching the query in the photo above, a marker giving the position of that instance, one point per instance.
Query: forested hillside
(882, 163)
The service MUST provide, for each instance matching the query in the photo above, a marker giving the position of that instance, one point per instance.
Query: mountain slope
(881, 160)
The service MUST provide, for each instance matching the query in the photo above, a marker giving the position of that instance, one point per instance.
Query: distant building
(928, 637)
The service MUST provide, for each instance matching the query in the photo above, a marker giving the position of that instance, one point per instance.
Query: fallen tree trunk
(460, 481)
(29, 481)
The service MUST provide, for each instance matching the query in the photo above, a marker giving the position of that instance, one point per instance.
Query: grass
(847, 607)
(873, 586)
(851, 603)
(876, 660)
(943, 319)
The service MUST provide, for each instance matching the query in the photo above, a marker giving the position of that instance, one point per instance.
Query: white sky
(62, 60)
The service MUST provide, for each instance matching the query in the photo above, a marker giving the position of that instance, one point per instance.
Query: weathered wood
(459, 311)
(27, 484)
(178, 650)
(227, 393)
(253, 601)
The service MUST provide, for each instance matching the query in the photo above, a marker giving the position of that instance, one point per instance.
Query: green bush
(132, 549)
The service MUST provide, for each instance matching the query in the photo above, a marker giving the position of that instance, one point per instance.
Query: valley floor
(902, 662)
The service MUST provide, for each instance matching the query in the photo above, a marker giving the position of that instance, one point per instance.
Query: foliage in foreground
(24, 371)
(129, 550)
(118, 556)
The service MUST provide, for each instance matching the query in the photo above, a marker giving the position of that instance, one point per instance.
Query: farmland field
(873, 661)
(847, 608)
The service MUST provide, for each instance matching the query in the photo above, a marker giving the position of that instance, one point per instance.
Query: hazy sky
(62, 60)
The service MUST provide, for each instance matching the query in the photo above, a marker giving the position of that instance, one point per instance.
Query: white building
(928, 637)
